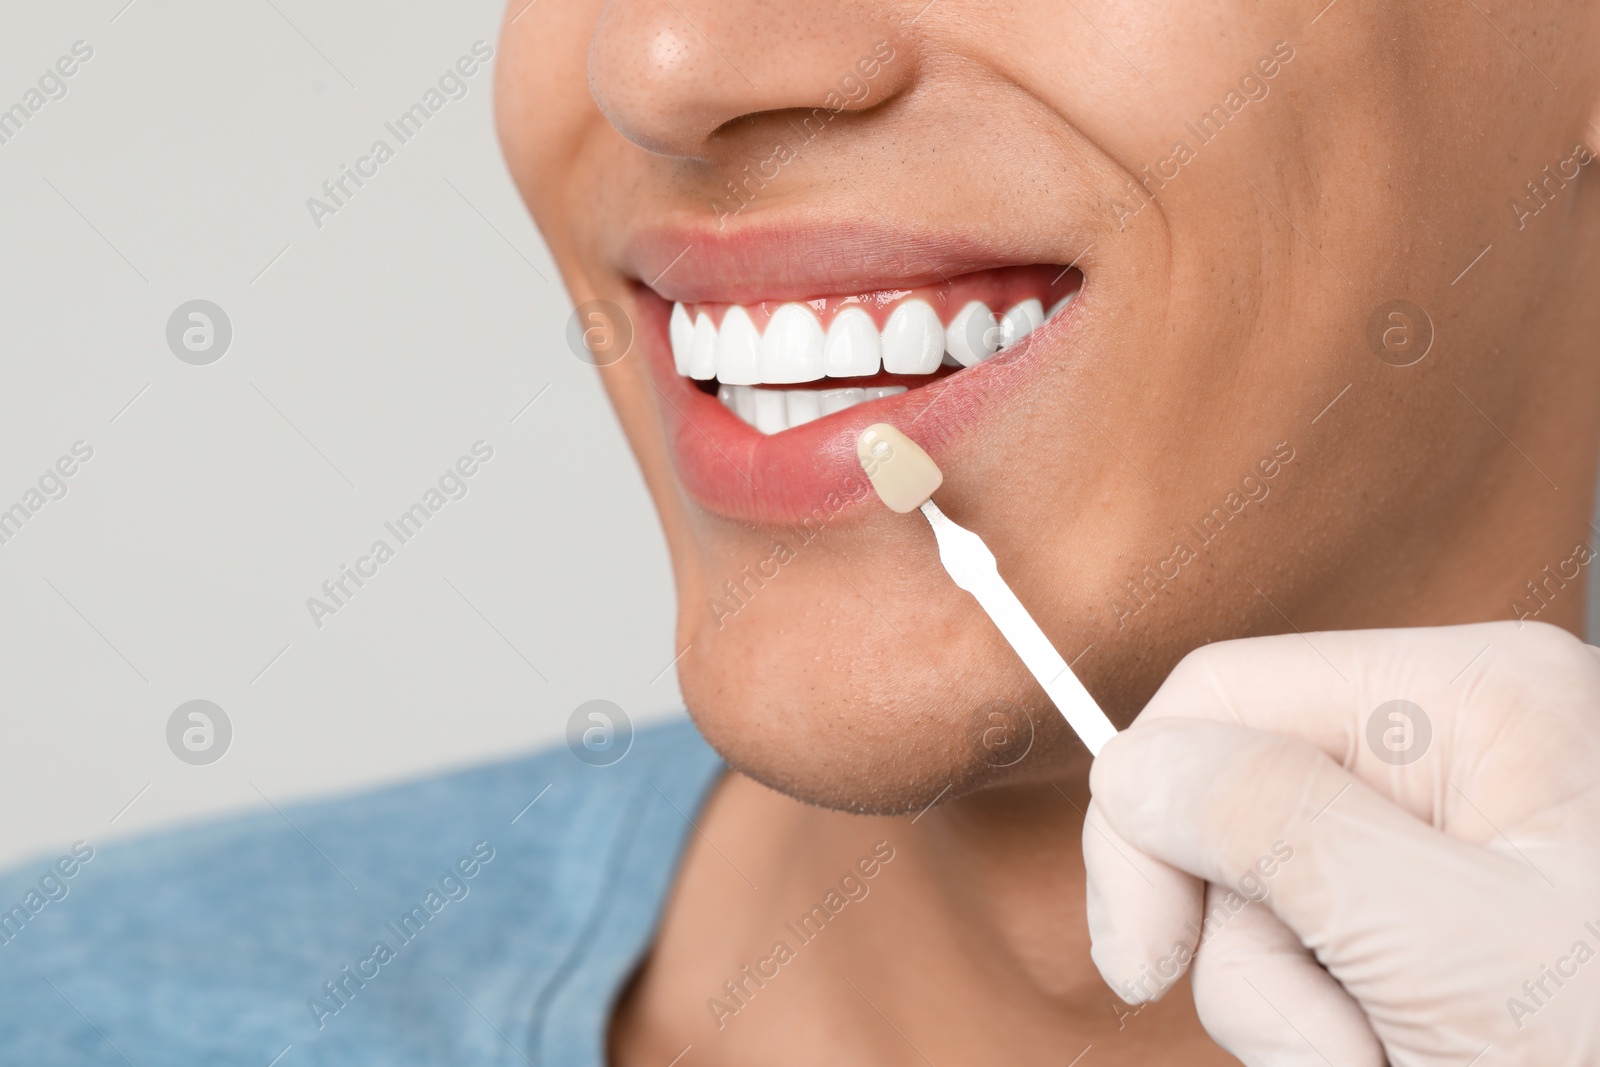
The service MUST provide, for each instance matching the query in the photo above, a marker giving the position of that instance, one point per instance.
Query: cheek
(543, 111)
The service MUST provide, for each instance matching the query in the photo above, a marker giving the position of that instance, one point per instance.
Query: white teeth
(772, 415)
(682, 330)
(791, 349)
(796, 349)
(973, 335)
(703, 349)
(802, 405)
(913, 339)
(853, 346)
(738, 349)
(775, 410)
(839, 399)
(744, 403)
(1020, 321)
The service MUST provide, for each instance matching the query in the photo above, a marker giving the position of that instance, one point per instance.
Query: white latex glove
(1432, 897)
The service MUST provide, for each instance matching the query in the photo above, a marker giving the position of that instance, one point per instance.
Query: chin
(811, 692)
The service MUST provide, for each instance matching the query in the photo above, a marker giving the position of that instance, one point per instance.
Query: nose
(671, 74)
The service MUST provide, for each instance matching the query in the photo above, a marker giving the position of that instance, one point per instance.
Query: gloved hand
(1355, 879)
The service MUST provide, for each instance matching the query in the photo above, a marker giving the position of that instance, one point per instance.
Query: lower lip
(811, 471)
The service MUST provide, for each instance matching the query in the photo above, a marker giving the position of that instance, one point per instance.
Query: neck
(883, 939)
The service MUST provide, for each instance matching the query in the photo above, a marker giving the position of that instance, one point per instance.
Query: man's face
(1254, 411)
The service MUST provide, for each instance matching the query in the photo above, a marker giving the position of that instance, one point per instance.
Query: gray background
(367, 356)
(419, 319)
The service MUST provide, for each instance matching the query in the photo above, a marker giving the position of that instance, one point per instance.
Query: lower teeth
(772, 411)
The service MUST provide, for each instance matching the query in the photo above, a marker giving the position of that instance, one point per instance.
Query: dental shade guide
(905, 478)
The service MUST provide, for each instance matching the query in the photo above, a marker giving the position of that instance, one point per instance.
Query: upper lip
(695, 260)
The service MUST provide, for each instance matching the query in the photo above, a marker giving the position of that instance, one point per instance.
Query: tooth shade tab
(903, 475)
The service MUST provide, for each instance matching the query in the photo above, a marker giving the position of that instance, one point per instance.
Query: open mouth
(770, 346)
(780, 365)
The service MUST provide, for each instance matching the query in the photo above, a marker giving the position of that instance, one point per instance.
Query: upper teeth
(794, 347)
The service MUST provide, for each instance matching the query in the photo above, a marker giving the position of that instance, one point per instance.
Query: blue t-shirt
(448, 921)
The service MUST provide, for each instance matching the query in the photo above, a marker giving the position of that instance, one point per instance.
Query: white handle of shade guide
(973, 568)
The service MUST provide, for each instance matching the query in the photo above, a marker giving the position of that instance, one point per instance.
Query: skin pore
(1232, 355)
